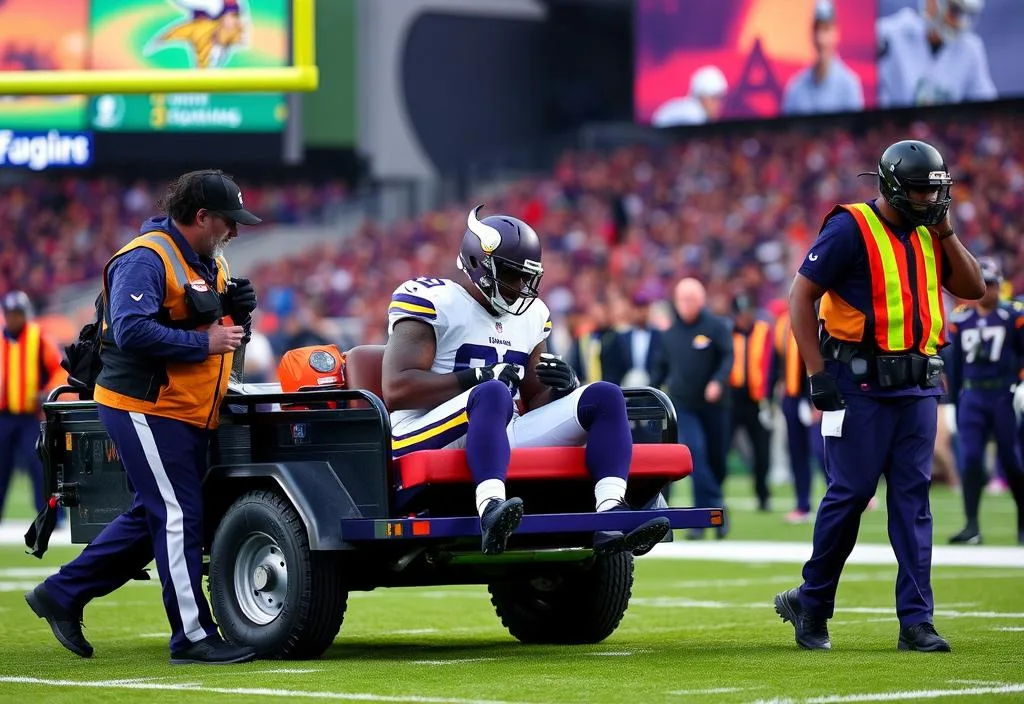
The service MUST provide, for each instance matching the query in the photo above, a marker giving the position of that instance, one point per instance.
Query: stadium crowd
(735, 212)
(59, 231)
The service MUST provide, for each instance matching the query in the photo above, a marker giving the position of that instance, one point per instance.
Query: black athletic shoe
(923, 638)
(212, 650)
(639, 541)
(811, 632)
(66, 626)
(499, 520)
(968, 536)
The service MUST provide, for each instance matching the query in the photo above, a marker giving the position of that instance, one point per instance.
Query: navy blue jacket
(136, 282)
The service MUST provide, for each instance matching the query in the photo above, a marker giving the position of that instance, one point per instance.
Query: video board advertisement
(62, 47)
(181, 34)
(702, 61)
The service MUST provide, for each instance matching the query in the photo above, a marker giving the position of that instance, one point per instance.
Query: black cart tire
(268, 589)
(570, 608)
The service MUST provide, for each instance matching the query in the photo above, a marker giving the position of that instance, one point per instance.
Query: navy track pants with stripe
(165, 461)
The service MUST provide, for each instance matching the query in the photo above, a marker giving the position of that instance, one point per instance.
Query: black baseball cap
(221, 195)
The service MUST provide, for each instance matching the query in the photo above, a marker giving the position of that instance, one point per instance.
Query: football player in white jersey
(460, 352)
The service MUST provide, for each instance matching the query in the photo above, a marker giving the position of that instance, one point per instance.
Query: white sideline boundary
(776, 552)
(197, 688)
(749, 551)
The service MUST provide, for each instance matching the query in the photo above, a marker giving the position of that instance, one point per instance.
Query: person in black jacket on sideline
(694, 357)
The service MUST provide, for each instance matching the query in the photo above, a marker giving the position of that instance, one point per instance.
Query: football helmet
(914, 165)
(990, 270)
(501, 255)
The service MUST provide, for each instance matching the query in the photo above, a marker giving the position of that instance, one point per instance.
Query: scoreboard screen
(205, 35)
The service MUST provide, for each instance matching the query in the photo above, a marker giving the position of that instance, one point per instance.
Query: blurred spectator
(56, 231)
(693, 361)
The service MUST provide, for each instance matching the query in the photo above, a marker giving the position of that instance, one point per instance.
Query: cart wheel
(268, 590)
(570, 607)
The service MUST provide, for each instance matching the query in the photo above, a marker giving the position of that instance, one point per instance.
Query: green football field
(700, 628)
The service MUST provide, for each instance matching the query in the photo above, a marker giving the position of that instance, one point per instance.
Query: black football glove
(511, 375)
(553, 371)
(239, 301)
(825, 393)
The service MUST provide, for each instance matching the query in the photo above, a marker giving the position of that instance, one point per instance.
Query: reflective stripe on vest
(902, 321)
(750, 360)
(19, 371)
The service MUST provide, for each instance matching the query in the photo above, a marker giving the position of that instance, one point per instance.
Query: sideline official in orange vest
(875, 373)
(28, 361)
(172, 319)
(751, 372)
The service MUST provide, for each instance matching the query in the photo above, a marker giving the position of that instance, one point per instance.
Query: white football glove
(1018, 400)
(803, 412)
(949, 415)
(511, 375)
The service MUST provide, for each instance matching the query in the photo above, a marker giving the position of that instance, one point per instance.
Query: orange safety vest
(788, 354)
(23, 365)
(750, 360)
(906, 312)
(194, 390)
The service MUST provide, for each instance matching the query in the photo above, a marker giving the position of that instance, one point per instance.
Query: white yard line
(713, 690)
(764, 552)
(460, 661)
(916, 695)
(247, 691)
(679, 603)
(863, 554)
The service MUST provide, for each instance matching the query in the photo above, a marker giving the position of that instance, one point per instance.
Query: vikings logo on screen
(212, 30)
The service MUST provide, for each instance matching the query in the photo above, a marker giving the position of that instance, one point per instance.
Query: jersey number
(470, 355)
(975, 339)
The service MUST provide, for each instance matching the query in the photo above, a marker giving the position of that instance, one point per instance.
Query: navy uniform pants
(18, 435)
(894, 437)
(981, 414)
(165, 461)
(802, 441)
(706, 433)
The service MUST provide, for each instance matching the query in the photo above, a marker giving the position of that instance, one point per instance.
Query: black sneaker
(923, 638)
(811, 632)
(66, 626)
(212, 650)
(968, 536)
(639, 541)
(499, 520)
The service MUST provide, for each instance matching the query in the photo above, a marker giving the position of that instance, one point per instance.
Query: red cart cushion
(666, 462)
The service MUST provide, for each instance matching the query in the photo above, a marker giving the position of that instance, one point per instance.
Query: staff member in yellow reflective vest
(172, 319)
(875, 374)
(28, 361)
(748, 382)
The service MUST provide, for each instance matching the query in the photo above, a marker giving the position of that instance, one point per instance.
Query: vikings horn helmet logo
(213, 29)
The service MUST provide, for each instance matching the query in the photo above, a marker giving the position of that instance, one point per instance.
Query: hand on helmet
(944, 229)
(553, 371)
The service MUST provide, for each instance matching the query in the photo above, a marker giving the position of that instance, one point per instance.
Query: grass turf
(695, 631)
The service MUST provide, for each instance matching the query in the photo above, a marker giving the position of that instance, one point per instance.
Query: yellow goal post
(301, 77)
